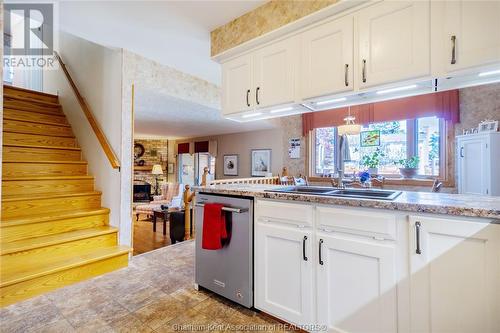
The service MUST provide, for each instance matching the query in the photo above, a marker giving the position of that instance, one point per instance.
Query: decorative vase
(408, 172)
(373, 171)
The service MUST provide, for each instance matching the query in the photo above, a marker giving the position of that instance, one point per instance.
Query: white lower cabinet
(381, 271)
(356, 283)
(284, 272)
(455, 276)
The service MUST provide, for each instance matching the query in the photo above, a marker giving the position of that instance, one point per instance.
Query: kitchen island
(423, 262)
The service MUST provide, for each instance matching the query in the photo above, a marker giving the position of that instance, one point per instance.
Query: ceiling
(161, 116)
(173, 33)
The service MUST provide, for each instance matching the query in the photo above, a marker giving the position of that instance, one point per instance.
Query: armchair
(171, 196)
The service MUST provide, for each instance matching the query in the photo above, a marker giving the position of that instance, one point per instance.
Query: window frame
(446, 161)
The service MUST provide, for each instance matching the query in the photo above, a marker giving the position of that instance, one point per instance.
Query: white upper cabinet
(357, 285)
(394, 42)
(237, 88)
(454, 283)
(260, 79)
(471, 34)
(327, 58)
(275, 68)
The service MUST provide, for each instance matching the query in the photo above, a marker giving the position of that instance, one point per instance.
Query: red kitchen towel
(214, 227)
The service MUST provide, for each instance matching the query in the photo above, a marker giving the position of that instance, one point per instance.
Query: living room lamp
(157, 171)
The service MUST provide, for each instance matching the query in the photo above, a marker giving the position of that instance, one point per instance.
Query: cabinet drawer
(282, 212)
(361, 222)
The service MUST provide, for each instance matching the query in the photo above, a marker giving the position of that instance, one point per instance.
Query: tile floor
(154, 294)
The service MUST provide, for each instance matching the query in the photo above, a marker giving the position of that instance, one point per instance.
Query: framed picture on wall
(261, 162)
(230, 165)
(170, 168)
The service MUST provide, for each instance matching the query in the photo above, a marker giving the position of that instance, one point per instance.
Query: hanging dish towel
(214, 227)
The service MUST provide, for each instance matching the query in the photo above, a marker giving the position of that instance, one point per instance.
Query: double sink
(334, 192)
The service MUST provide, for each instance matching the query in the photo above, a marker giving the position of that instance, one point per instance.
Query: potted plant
(372, 161)
(408, 167)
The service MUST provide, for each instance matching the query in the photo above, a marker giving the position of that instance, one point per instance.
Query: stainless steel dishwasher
(228, 271)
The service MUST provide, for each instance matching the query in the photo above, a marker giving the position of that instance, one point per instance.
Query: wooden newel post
(187, 198)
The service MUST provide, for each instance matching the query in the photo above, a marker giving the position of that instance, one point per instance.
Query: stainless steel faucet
(340, 168)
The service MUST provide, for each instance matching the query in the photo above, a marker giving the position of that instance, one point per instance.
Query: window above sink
(398, 140)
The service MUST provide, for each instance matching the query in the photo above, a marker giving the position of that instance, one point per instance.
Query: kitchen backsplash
(477, 104)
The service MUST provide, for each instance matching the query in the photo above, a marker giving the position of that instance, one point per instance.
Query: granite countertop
(419, 202)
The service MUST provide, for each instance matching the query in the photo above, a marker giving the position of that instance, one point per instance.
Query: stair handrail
(101, 137)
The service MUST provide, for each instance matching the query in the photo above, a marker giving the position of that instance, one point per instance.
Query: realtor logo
(29, 29)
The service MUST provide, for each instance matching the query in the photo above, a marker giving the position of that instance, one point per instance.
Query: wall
(292, 128)
(242, 144)
(268, 17)
(477, 104)
(97, 73)
(161, 147)
(148, 74)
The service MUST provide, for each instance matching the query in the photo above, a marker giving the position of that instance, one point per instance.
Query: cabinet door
(473, 162)
(394, 42)
(475, 26)
(327, 59)
(283, 277)
(275, 67)
(356, 285)
(237, 85)
(454, 282)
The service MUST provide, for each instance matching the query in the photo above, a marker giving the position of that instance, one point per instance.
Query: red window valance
(442, 105)
(201, 147)
(183, 148)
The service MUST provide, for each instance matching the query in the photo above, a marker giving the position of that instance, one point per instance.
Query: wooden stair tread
(47, 178)
(43, 241)
(17, 274)
(42, 147)
(53, 230)
(50, 112)
(7, 87)
(30, 100)
(45, 162)
(7, 117)
(10, 198)
(53, 216)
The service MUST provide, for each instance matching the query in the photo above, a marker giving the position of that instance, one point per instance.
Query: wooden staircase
(53, 230)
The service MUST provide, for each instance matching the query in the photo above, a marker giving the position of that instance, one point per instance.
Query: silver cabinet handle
(346, 75)
(363, 71)
(304, 248)
(453, 49)
(248, 93)
(461, 151)
(320, 245)
(257, 95)
(417, 236)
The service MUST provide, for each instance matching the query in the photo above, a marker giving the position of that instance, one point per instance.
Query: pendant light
(350, 127)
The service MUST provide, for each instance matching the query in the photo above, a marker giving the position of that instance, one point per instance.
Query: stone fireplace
(142, 191)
